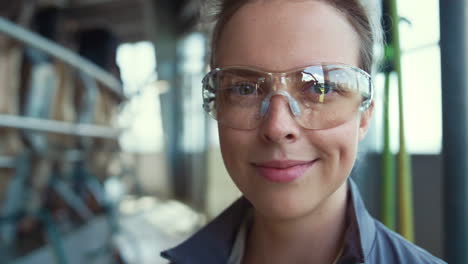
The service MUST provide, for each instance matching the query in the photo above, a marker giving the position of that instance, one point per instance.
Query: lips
(283, 171)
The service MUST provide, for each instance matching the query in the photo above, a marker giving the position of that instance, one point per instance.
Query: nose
(279, 125)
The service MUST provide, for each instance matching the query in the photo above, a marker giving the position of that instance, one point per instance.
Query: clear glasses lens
(325, 95)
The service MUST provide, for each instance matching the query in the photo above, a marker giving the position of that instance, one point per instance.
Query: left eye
(321, 88)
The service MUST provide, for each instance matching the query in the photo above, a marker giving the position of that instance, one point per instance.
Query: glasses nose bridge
(278, 81)
(293, 104)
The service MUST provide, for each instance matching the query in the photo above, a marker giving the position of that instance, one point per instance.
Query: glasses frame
(207, 88)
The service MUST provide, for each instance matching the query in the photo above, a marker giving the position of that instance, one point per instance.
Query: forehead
(279, 35)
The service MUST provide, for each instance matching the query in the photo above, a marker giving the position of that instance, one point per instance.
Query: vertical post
(166, 39)
(405, 185)
(186, 153)
(455, 120)
(388, 209)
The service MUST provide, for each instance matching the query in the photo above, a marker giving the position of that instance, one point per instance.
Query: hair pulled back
(367, 28)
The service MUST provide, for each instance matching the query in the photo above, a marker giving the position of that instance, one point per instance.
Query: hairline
(366, 58)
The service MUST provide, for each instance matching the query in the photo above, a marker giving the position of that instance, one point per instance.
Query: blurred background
(106, 155)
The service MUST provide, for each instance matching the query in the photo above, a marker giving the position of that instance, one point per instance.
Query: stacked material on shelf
(62, 173)
(63, 107)
(99, 45)
(104, 150)
(10, 141)
(39, 91)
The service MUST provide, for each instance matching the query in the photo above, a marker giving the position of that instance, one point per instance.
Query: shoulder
(390, 247)
(212, 243)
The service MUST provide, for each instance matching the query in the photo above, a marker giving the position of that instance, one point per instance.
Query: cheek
(225, 142)
(234, 148)
(338, 147)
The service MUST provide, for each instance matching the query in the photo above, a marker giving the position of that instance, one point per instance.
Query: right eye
(243, 89)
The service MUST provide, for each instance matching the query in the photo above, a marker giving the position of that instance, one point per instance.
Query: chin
(294, 201)
(284, 211)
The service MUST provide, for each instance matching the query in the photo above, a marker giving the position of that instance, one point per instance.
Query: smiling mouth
(283, 171)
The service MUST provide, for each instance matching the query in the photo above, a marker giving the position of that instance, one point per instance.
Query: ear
(364, 123)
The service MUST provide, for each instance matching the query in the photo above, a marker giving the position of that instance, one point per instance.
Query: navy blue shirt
(366, 239)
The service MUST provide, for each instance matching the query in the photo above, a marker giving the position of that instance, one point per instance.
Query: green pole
(388, 216)
(405, 197)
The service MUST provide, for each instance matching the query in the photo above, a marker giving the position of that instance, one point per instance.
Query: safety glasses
(320, 96)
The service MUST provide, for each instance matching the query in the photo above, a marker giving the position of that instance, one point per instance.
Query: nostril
(288, 138)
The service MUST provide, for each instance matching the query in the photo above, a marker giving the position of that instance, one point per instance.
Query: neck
(313, 238)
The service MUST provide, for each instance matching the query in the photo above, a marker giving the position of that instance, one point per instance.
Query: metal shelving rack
(110, 82)
(58, 250)
(71, 58)
(58, 127)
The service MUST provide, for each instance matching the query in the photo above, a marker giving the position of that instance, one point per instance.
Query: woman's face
(284, 170)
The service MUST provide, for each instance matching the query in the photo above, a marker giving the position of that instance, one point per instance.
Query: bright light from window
(421, 82)
(142, 115)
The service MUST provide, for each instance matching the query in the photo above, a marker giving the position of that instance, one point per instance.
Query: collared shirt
(366, 239)
(237, 251)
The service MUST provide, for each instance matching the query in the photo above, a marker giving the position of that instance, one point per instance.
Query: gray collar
(213, 243)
